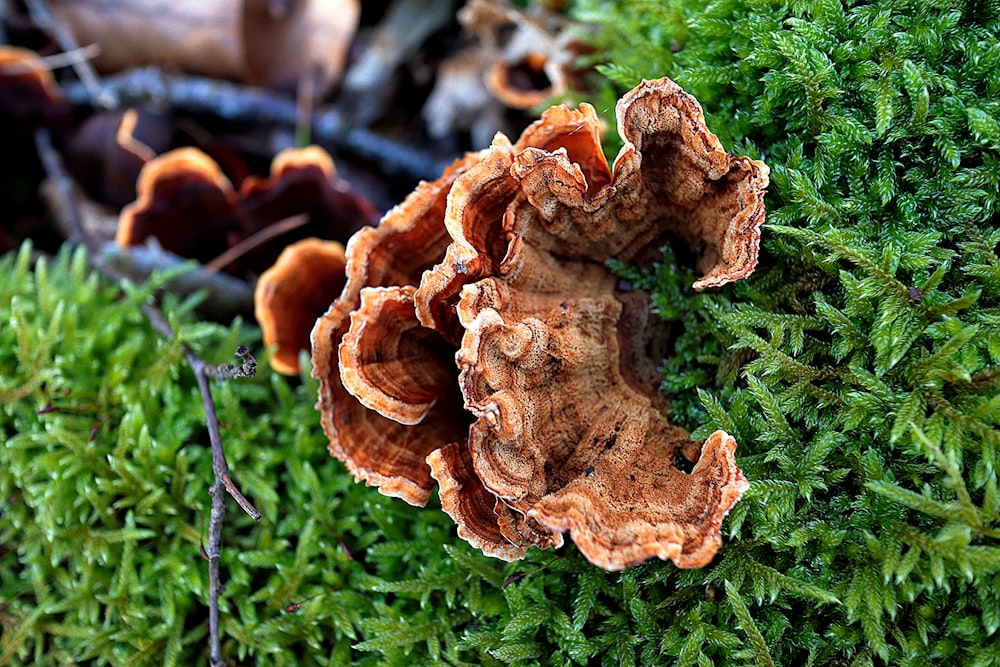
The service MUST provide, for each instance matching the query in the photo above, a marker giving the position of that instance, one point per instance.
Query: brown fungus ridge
(376, 449)
(638, 507)
(294, 292)
(389, 362)
(480, 219)
(671, 179)
(562, 436)
(474, 507)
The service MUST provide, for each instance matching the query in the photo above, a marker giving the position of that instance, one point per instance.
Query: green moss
(104, 503)
(858, 368)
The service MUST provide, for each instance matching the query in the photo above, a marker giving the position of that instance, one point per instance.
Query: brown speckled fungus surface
(548, 423)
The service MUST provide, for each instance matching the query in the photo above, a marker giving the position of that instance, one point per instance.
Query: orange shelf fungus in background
(188, 204)
(305, 180)
(529, 54)
(302, 181)
(549, 423)
(294, 292)
(29, 94)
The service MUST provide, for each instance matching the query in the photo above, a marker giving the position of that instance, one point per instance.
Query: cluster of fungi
(476, 339)
(481, 342)
(193, 210)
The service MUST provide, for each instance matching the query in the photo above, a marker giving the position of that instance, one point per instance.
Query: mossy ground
(858, 369)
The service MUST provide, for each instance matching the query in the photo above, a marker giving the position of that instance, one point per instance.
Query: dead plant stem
(202, 371)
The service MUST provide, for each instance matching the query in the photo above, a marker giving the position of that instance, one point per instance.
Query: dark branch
(240, 103)
(214, 551)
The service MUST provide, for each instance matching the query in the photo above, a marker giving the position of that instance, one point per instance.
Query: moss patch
(858, 368)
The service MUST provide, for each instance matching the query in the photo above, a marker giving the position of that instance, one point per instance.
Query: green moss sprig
(867, 346)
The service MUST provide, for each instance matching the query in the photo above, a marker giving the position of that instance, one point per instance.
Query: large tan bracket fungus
(377, 449)
(567, 430)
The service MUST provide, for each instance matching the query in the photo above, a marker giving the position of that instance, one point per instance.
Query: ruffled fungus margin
(563, 434)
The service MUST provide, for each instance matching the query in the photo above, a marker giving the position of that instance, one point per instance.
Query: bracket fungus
(504, 364)
(188, 204)
(529, 54)
(377, 449)
(29, 94)
(290, 295)
(301, 181)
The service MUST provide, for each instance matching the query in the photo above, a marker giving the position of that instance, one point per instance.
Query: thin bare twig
(55, 61)
(214, 552)
(256, 239)
(219, 465)
(43, 16)
(202, 371)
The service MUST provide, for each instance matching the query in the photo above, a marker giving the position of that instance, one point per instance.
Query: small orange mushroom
(294, 292)
(567, 434)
